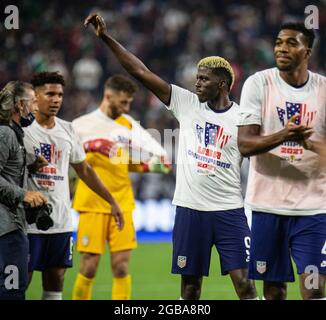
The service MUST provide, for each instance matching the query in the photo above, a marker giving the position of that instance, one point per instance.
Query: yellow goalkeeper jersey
(106, 142)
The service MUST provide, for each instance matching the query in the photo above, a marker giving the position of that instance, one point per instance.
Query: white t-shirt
(287, 180)
(208, 168)
(60, 146)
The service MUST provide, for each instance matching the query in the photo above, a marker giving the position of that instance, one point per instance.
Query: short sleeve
(181, 102)
(251, 101)
(319, 126)
(77, 154)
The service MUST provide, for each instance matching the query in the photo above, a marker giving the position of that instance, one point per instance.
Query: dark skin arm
(130, 62)
(252, 143)
(89, 176)
(39, 163)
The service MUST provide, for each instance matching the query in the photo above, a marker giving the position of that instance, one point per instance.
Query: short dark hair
(299, 26)
(41, 78)
(225, 75)
(120, 82)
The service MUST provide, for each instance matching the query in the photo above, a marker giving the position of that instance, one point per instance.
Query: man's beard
(289, 67)
(285, 68)
(115, 114)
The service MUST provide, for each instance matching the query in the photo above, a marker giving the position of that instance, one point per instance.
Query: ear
(308, 53)
(222, 84)
(36, 90)
(19, 106)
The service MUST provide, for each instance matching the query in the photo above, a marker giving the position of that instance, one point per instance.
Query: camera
(40, 216)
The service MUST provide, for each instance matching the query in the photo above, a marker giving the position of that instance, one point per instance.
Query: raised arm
(251, 142)
(130, 62)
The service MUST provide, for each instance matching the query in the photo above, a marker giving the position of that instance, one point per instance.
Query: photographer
(16, 103)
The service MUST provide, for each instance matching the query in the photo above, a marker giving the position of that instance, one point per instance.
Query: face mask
(27, 120)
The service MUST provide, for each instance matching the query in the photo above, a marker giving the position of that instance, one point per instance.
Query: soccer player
(56, 140)
(282, 129)
(208, 194)
(107, 135)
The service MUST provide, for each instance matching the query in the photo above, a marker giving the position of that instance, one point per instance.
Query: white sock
(319, 299)
(52, 295)
(257, 298)
(181, 298)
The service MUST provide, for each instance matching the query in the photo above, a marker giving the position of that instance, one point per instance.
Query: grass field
(152, 279)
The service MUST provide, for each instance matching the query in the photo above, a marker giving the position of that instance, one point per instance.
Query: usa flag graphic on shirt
(291, 109)
(49, 152)
(213, 134)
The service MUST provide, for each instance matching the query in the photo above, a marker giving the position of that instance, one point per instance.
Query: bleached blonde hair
(214, 62)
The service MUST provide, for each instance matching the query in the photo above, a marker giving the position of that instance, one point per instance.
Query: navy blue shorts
(50, 251)
(195, 232)
(276, 238)
(13, 265)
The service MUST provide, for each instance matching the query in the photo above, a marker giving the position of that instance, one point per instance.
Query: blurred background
(170, 36)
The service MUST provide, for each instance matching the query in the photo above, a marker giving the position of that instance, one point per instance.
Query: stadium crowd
(169, 35)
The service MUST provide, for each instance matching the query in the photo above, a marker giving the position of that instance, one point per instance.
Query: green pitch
(151, 278)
